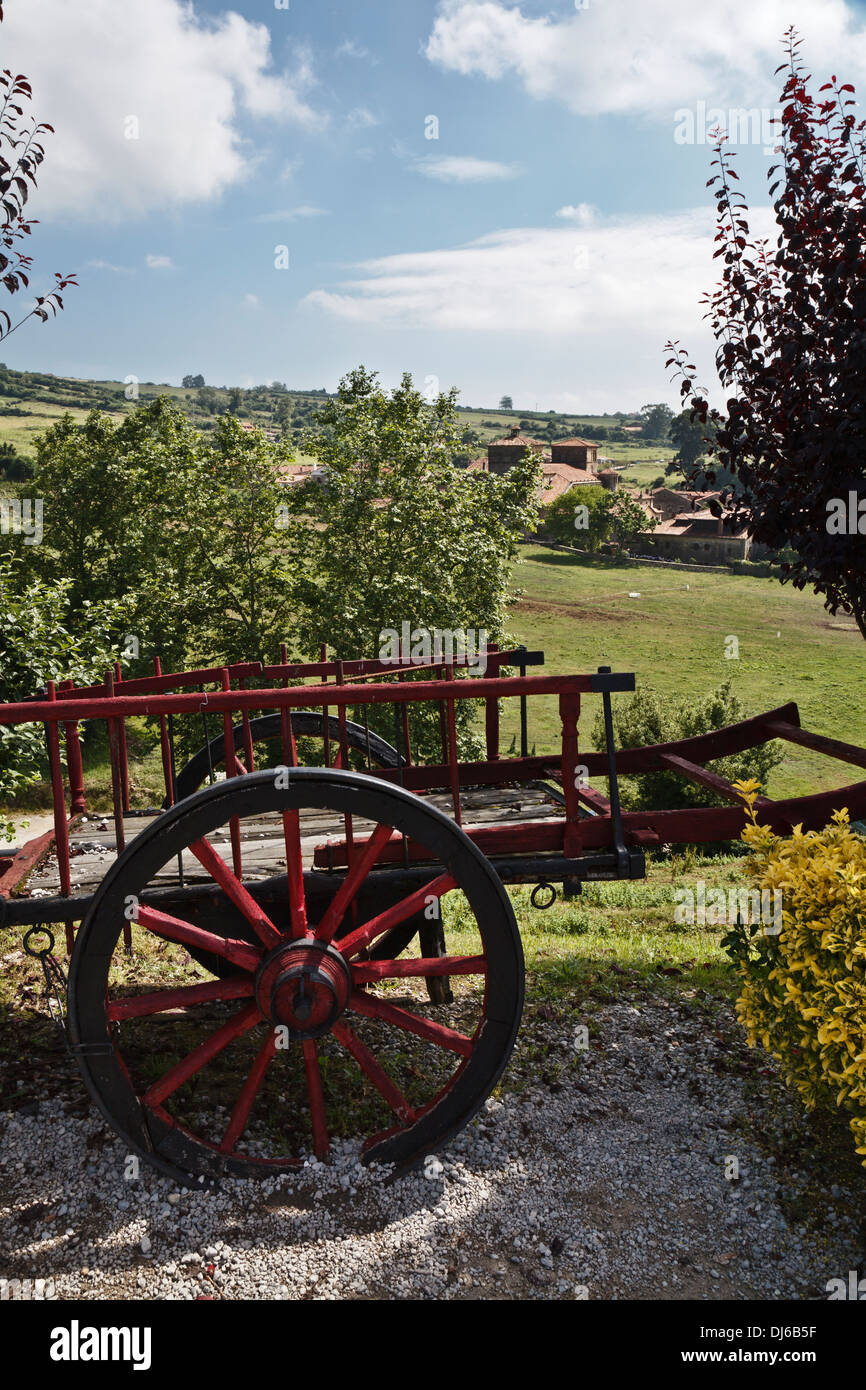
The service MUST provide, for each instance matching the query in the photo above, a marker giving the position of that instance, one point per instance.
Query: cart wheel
(267, 728)
(310, 1041)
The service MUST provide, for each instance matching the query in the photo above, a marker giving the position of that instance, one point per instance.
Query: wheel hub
(304, 986)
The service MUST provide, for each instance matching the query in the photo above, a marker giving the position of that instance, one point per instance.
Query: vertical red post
(249, 757)
(326, 715)
(124, 756)
(74, 768)
(290, 752)
(116, 776)
(292, 830)
(231, 771)
(443, 722)
(348, 822)
(61, 829)
(452, 752)
(407, 747)
(165, 746)
(569, 713)
(491, 713)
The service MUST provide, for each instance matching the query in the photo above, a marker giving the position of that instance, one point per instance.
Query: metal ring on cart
(540, 888)
(46, 950)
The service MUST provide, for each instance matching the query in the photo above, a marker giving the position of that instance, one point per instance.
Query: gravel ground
(597, 1173)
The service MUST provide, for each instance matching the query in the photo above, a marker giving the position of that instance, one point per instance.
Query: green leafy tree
(506, 403)
(12, 465)
(656, 421)
(184, 529)
(395, 533)
(628, 520)
(581, 517)
(241, 604)
(689, 436)
(42, 639)
(283, 413)
(115, 498)
(693, 465)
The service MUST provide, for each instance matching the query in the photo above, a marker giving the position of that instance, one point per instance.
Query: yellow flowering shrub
(804, 988)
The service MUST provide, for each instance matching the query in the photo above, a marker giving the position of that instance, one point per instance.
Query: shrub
(38, 643)
(646, 718)
(804, 989)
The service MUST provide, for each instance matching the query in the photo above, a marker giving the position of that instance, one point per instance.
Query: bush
(13, 467)
(646, 718)
(38, 643)
(804, 989)
(758, 569)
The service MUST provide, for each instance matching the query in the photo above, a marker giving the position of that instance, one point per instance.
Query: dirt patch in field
(573, 610)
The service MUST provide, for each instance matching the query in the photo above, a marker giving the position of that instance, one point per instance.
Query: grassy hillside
(31, 401)
(673, 637)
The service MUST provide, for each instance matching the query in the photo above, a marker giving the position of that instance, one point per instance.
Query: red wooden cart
(328, 998)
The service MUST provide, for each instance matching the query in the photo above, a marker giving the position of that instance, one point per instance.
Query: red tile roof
(559, 477)
(519, 440)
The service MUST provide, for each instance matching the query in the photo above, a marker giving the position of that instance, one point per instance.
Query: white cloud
(158, 262)
(647, 58)
(109, 265)
(361, 118)
(463, 169)
(292, 214)
(147, 101)
(583, 214)
(613, 290)
(251, 301)
(350, 48)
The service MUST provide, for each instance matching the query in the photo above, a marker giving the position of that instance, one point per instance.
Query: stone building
(503, 454)
(687, 530)
(570, 463)
(579, 453)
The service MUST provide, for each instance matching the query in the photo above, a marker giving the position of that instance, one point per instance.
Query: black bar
(523, 734)
(613, 784)
(605, 680)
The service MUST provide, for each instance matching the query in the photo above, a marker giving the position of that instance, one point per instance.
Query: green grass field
(28, 390)
(673, 637)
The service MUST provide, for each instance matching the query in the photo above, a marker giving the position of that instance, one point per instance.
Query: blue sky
(546, 244)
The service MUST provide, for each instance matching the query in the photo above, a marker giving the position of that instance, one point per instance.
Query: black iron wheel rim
(268, 727)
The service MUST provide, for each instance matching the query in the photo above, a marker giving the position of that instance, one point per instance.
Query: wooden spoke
(295, 872)
(352, 882)
(250, 1089)
(411, 1023)
(240, 953)
(371, 1068)
(201, 1055)
(234, 889)
(416, 902)
(321, 1142)
(366, 970)
(160, 1000)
